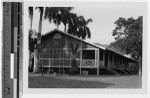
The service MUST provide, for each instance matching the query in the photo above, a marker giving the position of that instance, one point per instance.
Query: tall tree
(30, 9)
(128, 36)
(41, 10)
(78, 26)
(74, 50)
(84, 29)
(65, 17)
(37, 48)
(32, 40)
(31, 16)
(57, 14)
(32, 33)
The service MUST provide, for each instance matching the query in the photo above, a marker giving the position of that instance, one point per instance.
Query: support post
(113, 61)
(104, 59)
(49, 64)
(108, 61)
(59, 61)
(122, 65)
(97, 59)
(81, 62)
(81, 58)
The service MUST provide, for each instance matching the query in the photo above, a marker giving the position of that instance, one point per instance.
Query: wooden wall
(58, 45)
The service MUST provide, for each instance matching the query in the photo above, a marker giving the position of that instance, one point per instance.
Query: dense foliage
(128, 36)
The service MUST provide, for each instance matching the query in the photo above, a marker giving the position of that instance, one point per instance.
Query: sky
(103, 14)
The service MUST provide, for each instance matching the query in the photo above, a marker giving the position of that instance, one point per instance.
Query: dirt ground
(78, 81)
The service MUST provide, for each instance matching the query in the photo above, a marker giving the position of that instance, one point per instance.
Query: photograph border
(27, 90)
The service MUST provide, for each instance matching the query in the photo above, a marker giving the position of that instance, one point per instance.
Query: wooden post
(108, 61)
(117, 62)
(70, 62)
(49, 63)
(58, 60)
(122, 65)
(97, 60)
(120, 62)
(62, 60)
(104, 59)
(42, 66)
(81, 58)
(80, 62)
(52, 60)
(113, 62)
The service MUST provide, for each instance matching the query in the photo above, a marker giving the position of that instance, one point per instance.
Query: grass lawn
(66, 81)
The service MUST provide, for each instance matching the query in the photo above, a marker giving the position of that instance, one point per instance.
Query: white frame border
(77, 91)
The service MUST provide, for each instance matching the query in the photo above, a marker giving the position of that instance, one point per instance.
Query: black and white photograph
(84, 45)
(74, 48)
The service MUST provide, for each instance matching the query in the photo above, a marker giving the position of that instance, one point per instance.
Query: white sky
(103, 14)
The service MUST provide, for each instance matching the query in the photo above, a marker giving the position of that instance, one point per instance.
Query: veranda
(57, 60)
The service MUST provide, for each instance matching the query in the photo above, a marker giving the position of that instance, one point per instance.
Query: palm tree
(57, 15)
(41, 10)
(52, 15)
(74, 50)
(83, 27)
(31, 39)
(65, 16)
(37, 47)
(31, 15)
(30, 31)
(78, 26)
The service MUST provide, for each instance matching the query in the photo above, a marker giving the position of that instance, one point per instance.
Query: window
(88, 54)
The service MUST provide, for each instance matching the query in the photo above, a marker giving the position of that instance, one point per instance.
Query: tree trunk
(74, 66)
(31, 22)
(36, 55)
(140, 66)
(36, 67)
(30, 61)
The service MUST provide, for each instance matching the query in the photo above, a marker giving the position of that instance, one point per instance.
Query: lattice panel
(88, 62)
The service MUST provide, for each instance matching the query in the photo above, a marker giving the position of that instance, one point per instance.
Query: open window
(88, 54)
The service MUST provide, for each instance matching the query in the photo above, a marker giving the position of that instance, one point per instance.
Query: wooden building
(59, 49)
